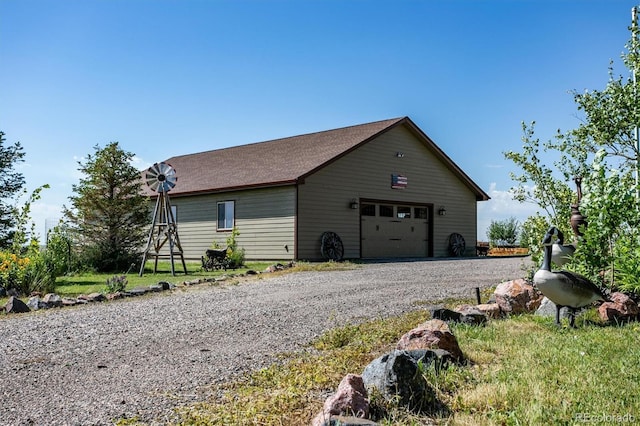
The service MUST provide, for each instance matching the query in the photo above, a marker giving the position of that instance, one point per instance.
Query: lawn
(90, 282)
(521, 371)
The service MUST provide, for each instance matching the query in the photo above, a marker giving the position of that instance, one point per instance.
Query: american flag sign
(398, 181)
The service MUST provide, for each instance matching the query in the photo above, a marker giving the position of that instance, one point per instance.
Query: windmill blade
(161, 177)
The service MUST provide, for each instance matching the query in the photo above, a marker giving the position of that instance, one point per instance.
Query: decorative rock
(350, 398)
(93, 297)
(52, 300)
(432, 334)
(491, 310)
(34, 303)
(471, 315)
(432, 358)
(620, 308)
(271, 268)
(548, 309)
(517, 296)
(139, 291)
(13, 292)
(16, 306)
(348, 421)
(66, 301)
(164, 285)
(445, 314)
(396, 375)
(115, 296)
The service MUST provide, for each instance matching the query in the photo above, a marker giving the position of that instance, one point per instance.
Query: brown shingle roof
(280, 161)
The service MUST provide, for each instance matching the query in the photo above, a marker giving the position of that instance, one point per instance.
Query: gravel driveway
(93, 364)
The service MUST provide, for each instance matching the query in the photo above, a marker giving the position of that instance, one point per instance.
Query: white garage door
(394, 230)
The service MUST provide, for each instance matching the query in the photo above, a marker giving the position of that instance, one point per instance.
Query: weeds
(116, 283)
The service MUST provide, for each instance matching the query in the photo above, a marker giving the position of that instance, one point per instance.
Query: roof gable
(284, 161)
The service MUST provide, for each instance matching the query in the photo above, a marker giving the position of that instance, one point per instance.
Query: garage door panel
(405, 234)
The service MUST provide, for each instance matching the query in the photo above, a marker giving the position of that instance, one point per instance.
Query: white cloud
(501, 206)
(139, 163)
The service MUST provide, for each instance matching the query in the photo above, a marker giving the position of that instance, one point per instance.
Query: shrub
(12, 270)
(116, 283)
(503, 232)
(58, 253)
(39, 277)
(26, 274)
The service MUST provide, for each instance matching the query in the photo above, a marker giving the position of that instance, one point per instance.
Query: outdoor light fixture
(399, 154)
(442, 211)
(354, 204)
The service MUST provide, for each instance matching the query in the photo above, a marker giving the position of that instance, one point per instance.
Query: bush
(58, 253)
(39, 277)
(99, 259)
(236, 258)
(116, 283)
(26, 274)
(503, 232)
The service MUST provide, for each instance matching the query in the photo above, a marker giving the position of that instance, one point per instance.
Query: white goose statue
(560, 253)
(564, 288)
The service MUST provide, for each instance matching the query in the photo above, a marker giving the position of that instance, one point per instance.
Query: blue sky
(170, 77)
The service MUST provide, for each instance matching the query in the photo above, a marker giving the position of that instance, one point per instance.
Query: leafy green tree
(541, 185)
(11, 182)
(503, 232)
(109, 214)
(58, 253)
(603, 151)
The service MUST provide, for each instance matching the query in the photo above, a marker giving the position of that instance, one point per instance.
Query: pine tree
(11, 183)
(109, 212)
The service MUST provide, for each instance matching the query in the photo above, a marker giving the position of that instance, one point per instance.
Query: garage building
(383, 188)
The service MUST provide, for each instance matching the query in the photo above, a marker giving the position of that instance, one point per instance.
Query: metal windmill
(161, 178)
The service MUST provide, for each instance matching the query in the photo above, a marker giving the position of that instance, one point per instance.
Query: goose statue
(560, 253)
(564, 288)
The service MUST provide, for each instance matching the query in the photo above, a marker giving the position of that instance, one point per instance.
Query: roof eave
(232, 188)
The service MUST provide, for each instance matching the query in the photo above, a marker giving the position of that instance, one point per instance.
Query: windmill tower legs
(163, 230)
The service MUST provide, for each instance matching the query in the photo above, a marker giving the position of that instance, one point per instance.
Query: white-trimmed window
(225, 215)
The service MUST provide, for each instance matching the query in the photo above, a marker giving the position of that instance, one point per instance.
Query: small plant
(116, 283)
(58, 251)
(503, 232)
(235, 255)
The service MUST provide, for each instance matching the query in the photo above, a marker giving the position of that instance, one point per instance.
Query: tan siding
(264, 217)
(366, 173)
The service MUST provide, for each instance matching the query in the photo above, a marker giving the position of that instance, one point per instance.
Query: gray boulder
(397, 375)
(348, 421)
(34, 303)
(548, 309)
(52, 300)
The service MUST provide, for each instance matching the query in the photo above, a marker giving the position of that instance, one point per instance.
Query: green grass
(527, 371)
(521, 371)
(90, 282)
(74, 285)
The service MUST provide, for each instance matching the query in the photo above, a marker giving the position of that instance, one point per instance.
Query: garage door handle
(395, 239)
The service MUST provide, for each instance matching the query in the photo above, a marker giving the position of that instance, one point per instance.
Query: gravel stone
(142, 357)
